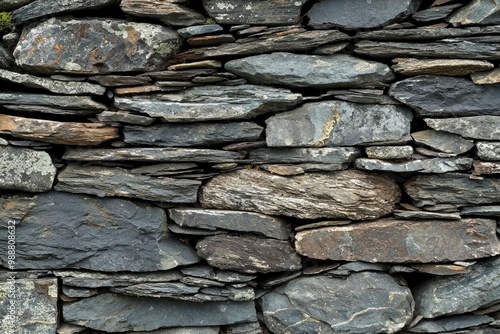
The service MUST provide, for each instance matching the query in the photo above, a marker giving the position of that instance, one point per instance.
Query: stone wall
(244, 167)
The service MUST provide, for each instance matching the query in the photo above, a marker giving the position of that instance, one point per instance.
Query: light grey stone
(74, 292)
(200, 30)
(443, 141)
(477, 12)
(403, 214)
(488, 150)
(325, 155)
(389, 152)
(445, 165)
(388, 166)
(475, 127)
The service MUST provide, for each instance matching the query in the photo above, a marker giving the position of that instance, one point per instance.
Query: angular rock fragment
(434, 13)
(338, 123)
(486, 78)
(248, 254)
(475, 127)
(124, 117)
(109, 181)
(488, 150)
(200, 30)
(344, 194)
(387, 166)
(398, 241)
(168, 12)
(443, 141)
(310, 71)
(25, 169)
(56, 101)
(389, 152)
(366, 302)
(57, 46)
(477, 12)
(451, 67)
(58, 230)
(325, 155)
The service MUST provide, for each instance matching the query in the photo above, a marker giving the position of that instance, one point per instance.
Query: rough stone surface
(200, 30)
(35, 306)
(343, 194)
(58, 230)
(108, 181)
(488, 150)
(210, 103)
(8, 5)
(435, 165)
(81, 46)
(440, 296)
(62, 102)
(338, 123)
(321, 72)
(446, 96)
(397, 241)
(451, 323)
(486, 78)
(476, 127)
(481, 167)
(434, 13)
(325, 155)
(25, 169)
(443, 141)
(451, 67)
(116, 313)
(477, 12)
(362, 303)
(272, 12)
(356, 14)
(124, 117)
(389, 152)
(241, 221)
(168, 12)
(248, 254)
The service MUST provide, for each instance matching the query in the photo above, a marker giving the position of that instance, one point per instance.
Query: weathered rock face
(58, 230)
(488, 150)
(338, 123)
(477, 12)
(168, 12)
(476, 127)
(82, 46)
(443, 141)
(365, 302)
(310, 71)
(451, 67)
(344, 194)
(325, 155)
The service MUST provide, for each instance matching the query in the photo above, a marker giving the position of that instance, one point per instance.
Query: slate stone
(195, 64)
(138, 90)
(192, 134)
(273, 12)
(486, 78)
(451, 323)
(451, 67)
(74, 292)
(404, 214)
(310, 71)
(183, 330)
(164, 169)
(452, 189)
(56, 101)
(440, 269)
(34, 306)
(435, 165)
(168, 12)
(446, 165)
(488, 150)
(477, 12)
(160, 289)
(240, 221)
(180, 75)
(344, 194)
(210, 40)
(152, 155)
(446, 96)
(120, 80)
(114, 181)
(475, 127)
(211, 103)
(246, 328)
(8, 5)
(425, 33)
(485, 210)
(338, 123)
(124, 117)
(434, 13)
(117, 313)
(359, 14)
(325, 155)
(25, 169)
(449, 295)
(389, 152)
(57, 46)
(248, 254)
(365, 96)
(481, 167)
(65, 133)
(54, 86)
(41, 8)
(200, 30)
(6, 59)
(443, 141)
(58, 230)
(363, 302)
(399, 241)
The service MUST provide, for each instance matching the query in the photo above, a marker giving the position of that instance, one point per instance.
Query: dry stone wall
(246, 167)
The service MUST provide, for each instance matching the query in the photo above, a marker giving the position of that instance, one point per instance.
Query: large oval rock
(310, 71)
(91, 46)
(344, 194)
(363, 303)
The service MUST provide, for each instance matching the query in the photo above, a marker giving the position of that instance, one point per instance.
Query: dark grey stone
(57, 101)
(49, 110)
(363, 303)
(184, 330)
(157, 289)
(199, 30)
(403, 214)
(388, 166)
(477, 12)
(59, 230)
(205, 271)
(325, 155)
(451, 323)
(485, 210)
(476, 127)
(359, 14)
(488, 150)
(310, 71)
(74, 292)
(443, 141)
(426, 34)
(6, 59)
(8, 5)
(124, 117)
(169, 12)
(434, 13)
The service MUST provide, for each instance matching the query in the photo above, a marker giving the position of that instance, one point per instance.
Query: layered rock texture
(249, 167)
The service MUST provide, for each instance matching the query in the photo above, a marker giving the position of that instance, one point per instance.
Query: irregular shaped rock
(338, 123)
(443, 141)
(59, 230)
(325, 155)
(477, 12)
(34, 306)
(210, 103)
(389, 152)
(451, 67)
(232, 220)
(344, 194)
(446, 96)
(25, 169)
(273, 12)
(481, 167)
(81, 46)
(168, 12)
(200, 30)
(248, 254)
(452, 189)
(106, 311)
(359, 14)
(106, 181)
(488, 150)
(310, 71)
(363, 303)
(62, 102)
(398, 241)
(440, 296)
(65, 133)
(194, 134)
(476, 127)
(486, 78)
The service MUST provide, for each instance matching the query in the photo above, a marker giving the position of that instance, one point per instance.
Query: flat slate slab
(324, 155)
(488, 150)
(398, 241)
(168, 12)
(475, 127)
(443, 141)
(55, 101)
(451, 67)
(476, 12)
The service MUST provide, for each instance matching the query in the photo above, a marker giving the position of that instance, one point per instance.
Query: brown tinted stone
(452, 67)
